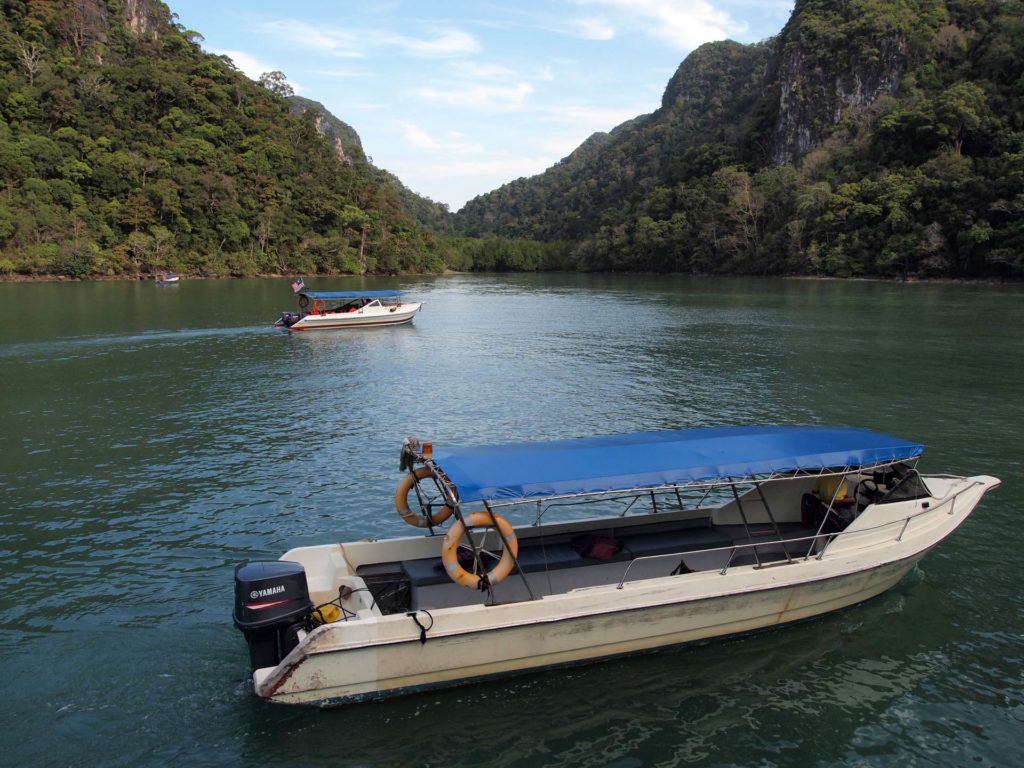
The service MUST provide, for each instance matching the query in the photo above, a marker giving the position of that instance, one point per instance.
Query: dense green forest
(125, 149)
(872, 137)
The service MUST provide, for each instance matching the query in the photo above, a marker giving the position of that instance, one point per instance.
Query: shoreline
(277, 276)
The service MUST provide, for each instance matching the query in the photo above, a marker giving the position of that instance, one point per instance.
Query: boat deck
(557, 565)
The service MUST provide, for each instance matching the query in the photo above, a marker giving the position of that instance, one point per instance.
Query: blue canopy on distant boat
(655, 459)
(332, 295)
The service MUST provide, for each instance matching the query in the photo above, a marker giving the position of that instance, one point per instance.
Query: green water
(153, 437)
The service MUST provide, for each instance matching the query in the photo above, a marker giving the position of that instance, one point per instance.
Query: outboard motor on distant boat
(271, 606)
(288, 319)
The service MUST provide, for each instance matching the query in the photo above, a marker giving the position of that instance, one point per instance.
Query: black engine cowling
(271, 605)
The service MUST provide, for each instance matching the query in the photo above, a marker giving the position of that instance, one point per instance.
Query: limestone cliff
(834, 61)
(145, 18)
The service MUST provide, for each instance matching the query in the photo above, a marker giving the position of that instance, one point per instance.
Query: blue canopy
(654, 459)
(332, 295)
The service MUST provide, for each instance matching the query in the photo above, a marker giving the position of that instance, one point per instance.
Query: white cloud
(460, 180)
(308, 37)
(453, 142)
(512, 167)
(450, 43)
(250, 66)
(477, 96)
(471, 70)
(417, 137)
(685, 24)
(346, 43)
(593, 118)
(594, 29)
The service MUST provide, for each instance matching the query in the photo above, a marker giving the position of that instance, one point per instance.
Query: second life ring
(303, 301)
(402, 502)
(450, 551)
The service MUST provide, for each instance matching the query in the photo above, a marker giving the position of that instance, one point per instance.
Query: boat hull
(377, 656)
(366, 318)
(327, 675)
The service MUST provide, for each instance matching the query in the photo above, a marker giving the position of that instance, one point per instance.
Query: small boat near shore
(167, 278)
(541, 555)
(331, 310)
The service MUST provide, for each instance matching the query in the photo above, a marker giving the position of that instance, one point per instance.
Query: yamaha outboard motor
(271, 606)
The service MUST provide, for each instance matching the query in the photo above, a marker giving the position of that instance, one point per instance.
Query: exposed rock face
(347, 145)
(815, 94)
(144, 16)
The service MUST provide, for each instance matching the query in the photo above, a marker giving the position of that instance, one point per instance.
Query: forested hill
(349, 148)
(871, 137)
(125, 149)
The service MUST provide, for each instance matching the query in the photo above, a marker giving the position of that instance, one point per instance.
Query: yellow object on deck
(328, 613)
(831, 487)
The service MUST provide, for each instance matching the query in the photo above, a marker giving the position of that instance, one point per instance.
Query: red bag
(597, 547)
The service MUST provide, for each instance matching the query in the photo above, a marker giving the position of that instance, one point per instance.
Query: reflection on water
(151, 439)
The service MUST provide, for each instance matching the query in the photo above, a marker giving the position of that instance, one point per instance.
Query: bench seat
(535, 557)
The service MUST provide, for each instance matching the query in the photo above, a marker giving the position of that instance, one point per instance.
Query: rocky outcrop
(821, 81)
(145, 17)
(813, 100)
(343, 136)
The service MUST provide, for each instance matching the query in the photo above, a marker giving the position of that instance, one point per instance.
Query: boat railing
(707, 487)
(732, 549)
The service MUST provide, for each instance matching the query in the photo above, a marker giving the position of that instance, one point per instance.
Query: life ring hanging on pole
(402, 502)
(303, 301)
(450, 551)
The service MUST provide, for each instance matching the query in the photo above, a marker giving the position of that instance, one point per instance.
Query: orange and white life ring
(402, 502)
(450, 550)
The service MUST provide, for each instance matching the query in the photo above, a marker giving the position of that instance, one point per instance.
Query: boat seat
(670, 542)
(535, 558)
(431, 570)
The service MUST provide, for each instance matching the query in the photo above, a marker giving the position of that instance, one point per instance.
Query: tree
(30, 56)
(959, 111)
(276, 82)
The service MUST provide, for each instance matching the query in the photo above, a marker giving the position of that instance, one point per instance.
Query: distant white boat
(166, 278)
(698, 534)
(330, 310)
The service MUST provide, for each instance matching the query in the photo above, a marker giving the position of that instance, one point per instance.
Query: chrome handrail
(733, 548)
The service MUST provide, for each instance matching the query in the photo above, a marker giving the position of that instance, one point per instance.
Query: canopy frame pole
(775, 525)
(830, 511)
(425, 505)
(709, 486)
(515, 558)
(457, 510)
(746, 525)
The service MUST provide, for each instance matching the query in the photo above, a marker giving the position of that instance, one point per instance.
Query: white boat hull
(327, 672)
(366, 317)
(372, 656)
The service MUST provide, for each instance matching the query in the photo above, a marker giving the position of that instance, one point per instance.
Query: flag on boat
(298, 285)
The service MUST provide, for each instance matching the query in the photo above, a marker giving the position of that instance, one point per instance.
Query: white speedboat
(167, 278)
(328, 310)
(694, 534)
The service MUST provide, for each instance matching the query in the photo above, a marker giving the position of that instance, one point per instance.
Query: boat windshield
(908, 487)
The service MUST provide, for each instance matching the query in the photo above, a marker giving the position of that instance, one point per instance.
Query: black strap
(423, 630)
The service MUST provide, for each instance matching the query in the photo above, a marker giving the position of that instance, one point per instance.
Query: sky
(457, 97)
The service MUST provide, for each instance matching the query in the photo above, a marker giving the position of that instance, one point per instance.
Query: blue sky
(457, 97)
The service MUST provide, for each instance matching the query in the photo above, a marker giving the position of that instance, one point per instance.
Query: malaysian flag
(298, 285)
